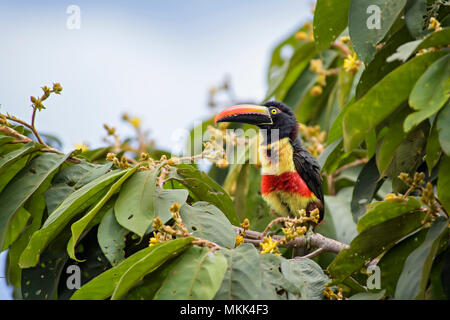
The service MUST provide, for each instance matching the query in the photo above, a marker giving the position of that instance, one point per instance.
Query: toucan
(291, 178)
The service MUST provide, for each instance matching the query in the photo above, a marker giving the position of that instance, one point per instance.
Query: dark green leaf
(415, 11)
(78, 227)
(435, 39)
(391, 263)
(71, 179)
(103, 286)
(443, 185)
(330, 19)
(371, 243)
(69, 208)
(111, 238)
(433, 148)
(443, 119)
(41, 282)
(24, 185)
(365, 189)
(392, 139)
(368, 27)
(414, 278)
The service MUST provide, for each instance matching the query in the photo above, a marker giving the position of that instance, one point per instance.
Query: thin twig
(350, 165)
(24, 139)
(29, 126)
(311, 255)
(342, 47)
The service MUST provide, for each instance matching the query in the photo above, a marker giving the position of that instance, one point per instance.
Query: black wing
(308, 168)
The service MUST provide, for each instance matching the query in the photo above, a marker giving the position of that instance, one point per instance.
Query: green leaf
(164, 199)
(298, 93)
(433, 148)
(5, 139)
(79, 226)
(307, 276)
(36, 206)
(434, 39)
(414, 278)
(69, 208)
(197, 275)
(283, 77)
(206, 221)
(206, 189)
(71, 179)
(365, 39)
(415, 10)
(24, 185)
(41, 282)
(134, 208)
(408, 155)
(329, 152)
(103, 286)
(372, 242)
(242, 280)
(384, 98)
(430, 92)
(368, 296)
(391, 263)
(392, 140)
(16, 154)
(366, 187)
(17, 224)
(378, 68)
(12, 162)
(272, 278)
(111, 238)
(381, 211)
(443, 184)
(338, 209)
(330, 19)
(149, 263)
(443, 119)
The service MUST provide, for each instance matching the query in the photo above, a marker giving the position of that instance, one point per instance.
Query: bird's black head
(270, 116)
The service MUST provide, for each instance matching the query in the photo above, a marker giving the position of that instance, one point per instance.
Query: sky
(154, 59)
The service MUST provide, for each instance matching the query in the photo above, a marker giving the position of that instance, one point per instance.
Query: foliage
(374, 107)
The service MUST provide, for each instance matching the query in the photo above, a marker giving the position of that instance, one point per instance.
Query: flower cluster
(240, 237)
(314, 139)
(268, 245)
(331, 295)
(352, 63)
(37, 102)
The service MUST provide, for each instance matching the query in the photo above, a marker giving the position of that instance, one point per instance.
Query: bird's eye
(274, 111)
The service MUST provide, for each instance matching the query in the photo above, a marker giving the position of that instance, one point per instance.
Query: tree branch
(24, 139)
(316, 240)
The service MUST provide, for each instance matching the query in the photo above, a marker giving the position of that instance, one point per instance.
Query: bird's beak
(245, 113)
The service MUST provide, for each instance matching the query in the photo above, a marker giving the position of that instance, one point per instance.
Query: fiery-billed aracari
(293, 181)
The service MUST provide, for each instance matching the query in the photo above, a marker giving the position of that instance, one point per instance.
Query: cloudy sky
(154, 59)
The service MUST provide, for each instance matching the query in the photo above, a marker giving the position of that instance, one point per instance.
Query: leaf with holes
(197, 275)
(242, 280)
(207, 222)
